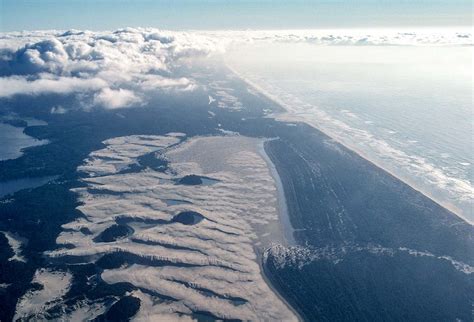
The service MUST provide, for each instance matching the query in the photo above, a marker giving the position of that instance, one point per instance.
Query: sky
(17, 15)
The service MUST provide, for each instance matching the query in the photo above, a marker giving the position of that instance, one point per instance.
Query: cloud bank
(114, 68)
(48, 83)
(117, 68)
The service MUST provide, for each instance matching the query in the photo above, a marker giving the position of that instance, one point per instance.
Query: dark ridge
(156, 294)
(70, 260)
(67, 246)
(113, 233)
(190, 180)
(153, 161)
(209, 293)
(104, 191)
(209, 181)
(188, 218)
(117, 259)
(223, 231)
(206, 316)
(120, 258)
(148, 242)
(185, 217)
(133, 168)
(85, 231)
(224, 224)
(194, 180)
(123, 220)
(122, 310)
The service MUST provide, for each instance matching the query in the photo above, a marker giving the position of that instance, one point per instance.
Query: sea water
(408, 109)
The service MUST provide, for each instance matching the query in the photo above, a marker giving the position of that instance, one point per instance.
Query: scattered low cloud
(47, 83)
(112, 99)
(58, 110)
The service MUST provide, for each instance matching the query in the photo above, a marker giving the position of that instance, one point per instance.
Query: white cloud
(58, 110)
(111, 99)
(47, 83)
(151, 82)
(133, 60)
(349, 37)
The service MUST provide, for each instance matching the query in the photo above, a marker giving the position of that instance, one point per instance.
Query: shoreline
(284, 224)
(292, 118)
(286, 227)
(16, 137)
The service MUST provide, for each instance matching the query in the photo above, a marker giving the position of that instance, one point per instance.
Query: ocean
(407, 109)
